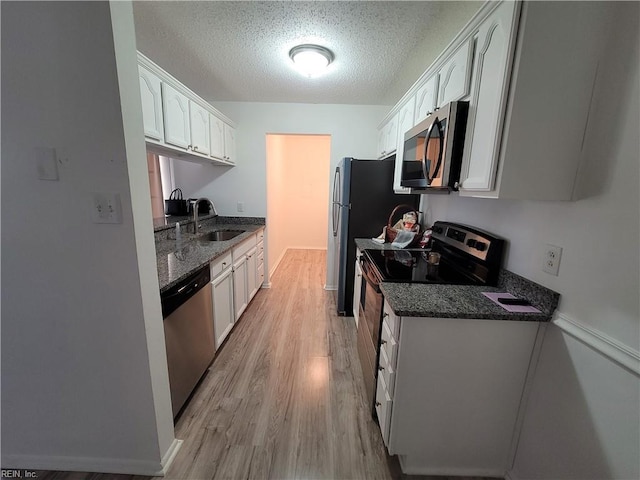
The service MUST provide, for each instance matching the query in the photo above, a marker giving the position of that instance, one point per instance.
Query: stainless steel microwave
(432, 152)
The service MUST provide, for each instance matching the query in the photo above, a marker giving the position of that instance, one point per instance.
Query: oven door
(370, 320)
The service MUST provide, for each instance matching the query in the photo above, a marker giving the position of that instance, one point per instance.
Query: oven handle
(367, 276)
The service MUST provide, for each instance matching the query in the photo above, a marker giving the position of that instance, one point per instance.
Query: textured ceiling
(238, 51)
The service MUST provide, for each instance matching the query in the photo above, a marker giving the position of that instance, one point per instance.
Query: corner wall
(582, 420)
(82, 381)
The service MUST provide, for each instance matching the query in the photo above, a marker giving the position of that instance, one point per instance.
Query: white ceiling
(238, 50)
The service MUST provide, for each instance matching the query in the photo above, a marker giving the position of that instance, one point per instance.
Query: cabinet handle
(224, 264)
(382, 342)
(195, 148)
(378, 404)
(380, 369)
(189, 147)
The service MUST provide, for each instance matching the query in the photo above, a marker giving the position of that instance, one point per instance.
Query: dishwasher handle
(177, 295)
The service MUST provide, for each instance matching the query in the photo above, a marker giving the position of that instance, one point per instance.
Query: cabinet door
(383, 409)
(151, 96)
(223, 313)
(199, 120)
(488, 100)
(455, 75)
(426, 99)
(391, 137)
(177, 130)
(240, 296)
(229, 143)
(357, 287)
(252, 273)
(405, 122)
(217, 137)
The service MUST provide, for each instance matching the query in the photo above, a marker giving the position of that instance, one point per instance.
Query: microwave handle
(426, 164)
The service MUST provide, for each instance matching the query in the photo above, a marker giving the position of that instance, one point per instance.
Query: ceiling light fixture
(311, 60)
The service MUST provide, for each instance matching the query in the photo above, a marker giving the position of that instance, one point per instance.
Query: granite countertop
(176, 263)
(464, 301)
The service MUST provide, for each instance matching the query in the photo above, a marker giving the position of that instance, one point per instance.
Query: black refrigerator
(363, 198)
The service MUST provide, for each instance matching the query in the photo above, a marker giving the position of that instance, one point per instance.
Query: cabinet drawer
(244, 247)
(392, 320)
(386, 371)
(218, 265)
(383, 409)
(388, 344)
(260, 258)
(260, 236)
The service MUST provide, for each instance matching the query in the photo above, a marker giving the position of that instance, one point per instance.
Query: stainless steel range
(459, 255)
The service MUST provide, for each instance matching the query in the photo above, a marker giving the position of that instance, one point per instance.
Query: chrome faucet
(195, 212)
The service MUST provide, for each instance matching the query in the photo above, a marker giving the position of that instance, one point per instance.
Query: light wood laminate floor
(284, 398)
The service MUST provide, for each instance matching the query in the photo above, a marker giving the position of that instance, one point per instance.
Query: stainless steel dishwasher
(188, 331)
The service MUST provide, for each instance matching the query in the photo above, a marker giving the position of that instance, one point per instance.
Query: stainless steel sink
(220, 235)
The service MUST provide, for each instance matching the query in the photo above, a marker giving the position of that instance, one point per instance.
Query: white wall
(83, 387)
(583, 417)
(353, 131)
(297, 193)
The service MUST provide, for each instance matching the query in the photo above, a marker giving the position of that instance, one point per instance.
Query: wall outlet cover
(551, 259)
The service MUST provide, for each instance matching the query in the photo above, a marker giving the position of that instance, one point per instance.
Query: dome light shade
(311, 60)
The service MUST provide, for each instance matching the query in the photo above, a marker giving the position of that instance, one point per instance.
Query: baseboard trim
(416, 469)
(169, 457)
(614, 350)
(83, 464)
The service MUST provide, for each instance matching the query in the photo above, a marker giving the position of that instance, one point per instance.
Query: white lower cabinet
(449, 391)
(241, 297)
(222, 295)
(223, 314)
(252, 273)
(248, 271)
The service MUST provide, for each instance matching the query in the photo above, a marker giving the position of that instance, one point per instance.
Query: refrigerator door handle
(335, 217)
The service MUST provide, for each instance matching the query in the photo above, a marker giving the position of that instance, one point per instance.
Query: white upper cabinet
(530, 102)
(217, 137)
(455, 75)
(426, 99)
(178, 123)
(387, 137)
(223, 141)
(489, 95)
(528, 71)
(175, 105)
(199, 119)
(405, 122)
(230, 143)
(151, 96)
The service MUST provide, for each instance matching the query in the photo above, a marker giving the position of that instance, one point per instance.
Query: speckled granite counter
(464, 301)
(176, 264)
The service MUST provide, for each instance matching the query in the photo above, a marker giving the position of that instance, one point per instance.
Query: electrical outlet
(106, 208)
(240, 206)
(551, 259)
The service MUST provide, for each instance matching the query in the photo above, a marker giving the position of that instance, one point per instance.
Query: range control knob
(436, 229)
(471, 243)
(480, 246)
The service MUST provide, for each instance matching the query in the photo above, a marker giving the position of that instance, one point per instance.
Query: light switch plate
(106, 208)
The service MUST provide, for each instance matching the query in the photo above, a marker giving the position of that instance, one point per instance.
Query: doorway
(297, 193)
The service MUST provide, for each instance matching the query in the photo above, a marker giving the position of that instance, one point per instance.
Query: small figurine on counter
(410, 222)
